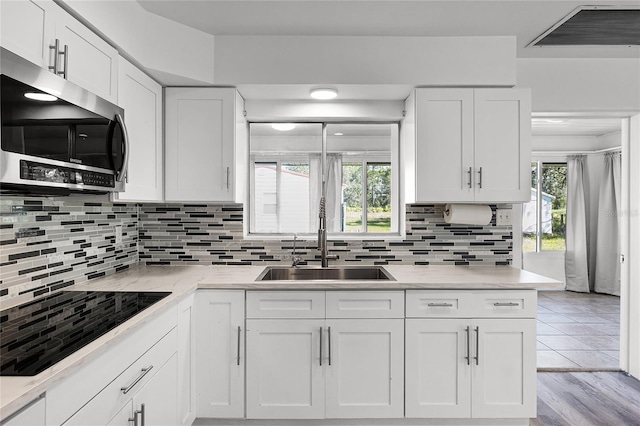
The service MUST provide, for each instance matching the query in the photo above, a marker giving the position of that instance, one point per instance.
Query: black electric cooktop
(38, 334)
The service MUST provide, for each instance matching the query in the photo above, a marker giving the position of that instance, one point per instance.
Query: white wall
(479, 61)
(581, 85)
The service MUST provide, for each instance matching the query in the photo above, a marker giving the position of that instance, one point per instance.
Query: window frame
(540, 162)
(393, 158)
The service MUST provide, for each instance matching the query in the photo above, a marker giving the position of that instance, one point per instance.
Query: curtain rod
(598, 151)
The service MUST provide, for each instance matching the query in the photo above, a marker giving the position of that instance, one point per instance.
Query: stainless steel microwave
(57, 138)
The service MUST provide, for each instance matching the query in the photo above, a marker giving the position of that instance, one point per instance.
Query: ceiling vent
(594, 26)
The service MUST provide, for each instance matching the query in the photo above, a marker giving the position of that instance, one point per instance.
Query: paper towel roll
(468, 214)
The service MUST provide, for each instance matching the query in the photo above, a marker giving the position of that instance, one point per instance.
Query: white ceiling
(524, 19)
(569, 126)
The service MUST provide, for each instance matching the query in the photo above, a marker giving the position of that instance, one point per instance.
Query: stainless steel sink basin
(336, 273)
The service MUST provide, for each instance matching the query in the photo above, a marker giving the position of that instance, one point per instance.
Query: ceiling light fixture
(40, 97)
(283, 127)
(323, 93)
(338, 134)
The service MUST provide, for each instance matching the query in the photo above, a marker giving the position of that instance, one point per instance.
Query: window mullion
(364, 196)
(539, 208)
(278, 181)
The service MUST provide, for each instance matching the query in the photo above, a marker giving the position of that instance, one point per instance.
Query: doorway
(576, 330)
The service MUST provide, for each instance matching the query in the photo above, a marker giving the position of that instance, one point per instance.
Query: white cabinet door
(31, 415)
(186, 361)
(27, 28)
(502, 144)
(199, 146)
(124, 416)
(444, 144)
(504, 373)
(160, 396)
(141, 98)
(92, 63)
(471, 145)
(365, 368)
(438, 370)
(285, 372)
(219, 354)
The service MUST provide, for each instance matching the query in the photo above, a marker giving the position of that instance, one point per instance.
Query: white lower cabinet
(365, 368)
(325, 367)
(220, 362)
(438, 375)
(31, 415)
(285, 371)
(471, 367)
(186, 361)
(151, 380)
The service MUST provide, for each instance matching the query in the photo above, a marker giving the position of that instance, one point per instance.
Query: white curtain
(576, 264)
(315, 190)
(607, 267)
(333, 191)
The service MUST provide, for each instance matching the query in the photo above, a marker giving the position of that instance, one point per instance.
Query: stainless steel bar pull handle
(142, 412)
(440, 305)
(506, 304)
(468, 357)
(470, 172)
(329, 332)
(228, 173)
(320, 345)
(144, 372)
(64, 73)
(477, 357)
(480, 177)
(55, 47)
(239, 333)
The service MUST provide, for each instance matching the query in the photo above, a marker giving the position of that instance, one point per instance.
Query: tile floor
(578, 331)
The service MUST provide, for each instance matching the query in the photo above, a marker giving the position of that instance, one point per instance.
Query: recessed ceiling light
(283, 127)
(323, 93)
(40, 97)
(338, 134)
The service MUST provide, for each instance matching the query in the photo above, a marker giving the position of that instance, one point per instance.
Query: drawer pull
(440, 305)
(143, 373)
(506, 304)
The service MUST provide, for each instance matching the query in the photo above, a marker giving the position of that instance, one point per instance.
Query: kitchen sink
(337, 273)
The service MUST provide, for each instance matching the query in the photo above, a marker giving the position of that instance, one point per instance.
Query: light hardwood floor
(587, 399)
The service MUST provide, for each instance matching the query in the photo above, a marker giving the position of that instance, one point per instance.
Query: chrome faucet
(295, 259)
(322, 235)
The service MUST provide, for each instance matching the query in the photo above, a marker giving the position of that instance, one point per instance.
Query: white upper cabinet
(90, 61)
(27, 28)
(502, 123)
(32, 29)
(468, 145)
(141, 98)
(205, 145)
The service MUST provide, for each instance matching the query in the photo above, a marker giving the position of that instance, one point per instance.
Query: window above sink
(361, 175)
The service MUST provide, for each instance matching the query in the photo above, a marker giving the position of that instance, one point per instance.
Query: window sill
(330, 237)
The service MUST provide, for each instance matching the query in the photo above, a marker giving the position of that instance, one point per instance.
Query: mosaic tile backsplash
(212, 234)
(48, 244)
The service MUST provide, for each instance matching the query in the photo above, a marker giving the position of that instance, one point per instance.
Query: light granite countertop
(16, 392)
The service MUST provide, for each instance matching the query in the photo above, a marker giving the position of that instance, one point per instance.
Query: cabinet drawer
(285, 304)
(111, 399)
(506, 303)
(71, 394)
(365, 304)
(435, 304)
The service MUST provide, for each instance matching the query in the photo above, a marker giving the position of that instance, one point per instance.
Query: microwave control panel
(40, 172)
